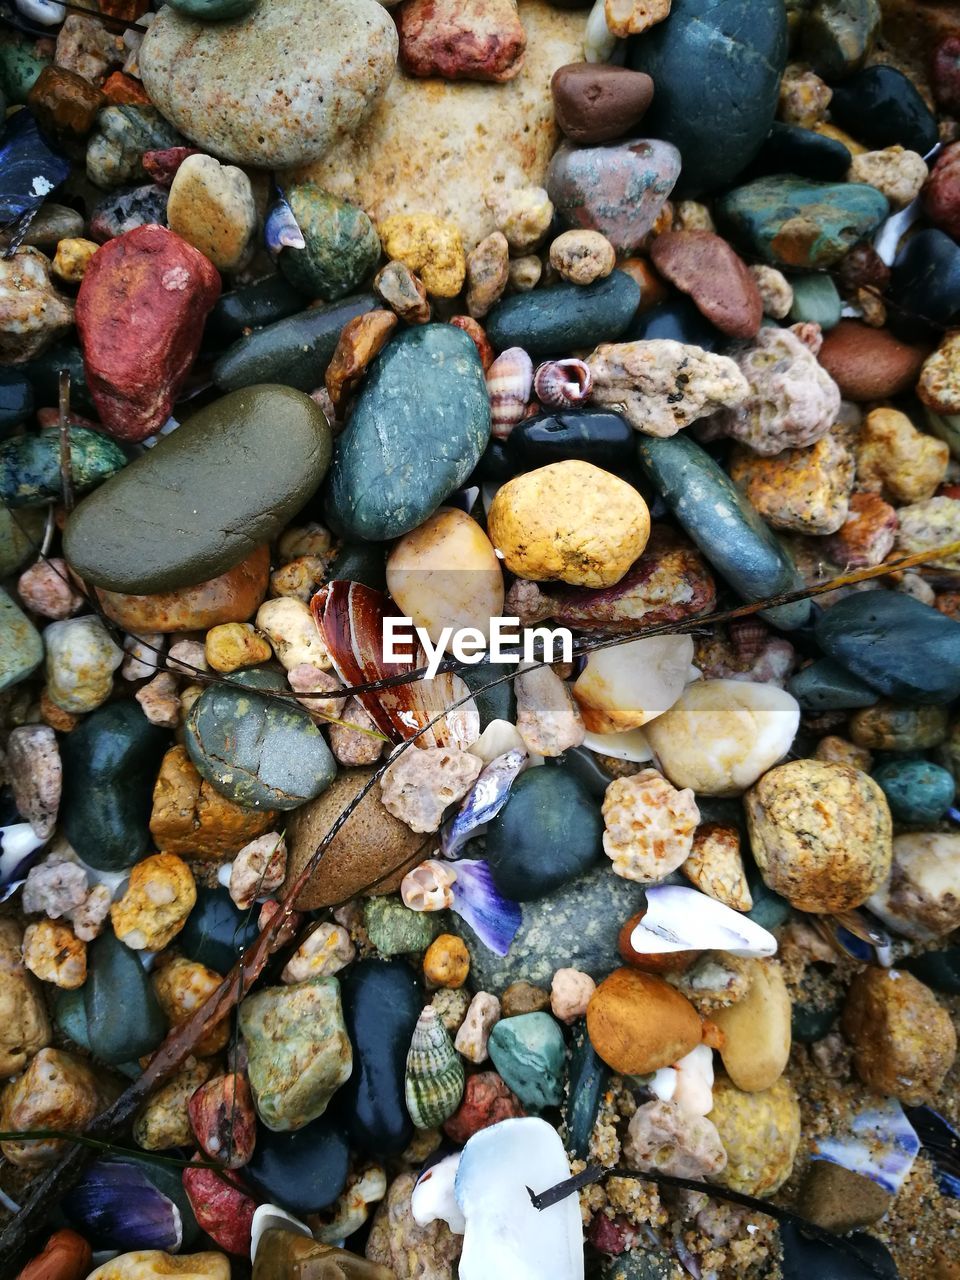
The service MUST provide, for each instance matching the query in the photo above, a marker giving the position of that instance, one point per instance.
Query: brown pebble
(721, 285)
(839, 1200)
(360, 341)
(66, 1256)
(523, 997)
(594, 102)
(637, 1023)
(231, 597)
(870, 364)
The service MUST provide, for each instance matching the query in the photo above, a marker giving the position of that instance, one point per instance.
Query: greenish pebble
(30, 472)
(563, 317)
(769, 910)
(815, 301)
(810, 1022)
(498, 703)
(124, 1020)
(213, 10)
(70, 1016)
(21, 535)
(792, 222)
(44, 374)
(21, 649)
(395, 930)
(16, 400)
(528, 1052)
(342, 247)
(826, 686)
(945, 427)
(260, 752)
(837, 35)
(120, 137)
(917, 791)
(20, 64)
(589, 1076)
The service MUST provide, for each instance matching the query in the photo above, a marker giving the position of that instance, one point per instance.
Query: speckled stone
(396, 930)
(528, 1052)
(341, 250)
(917, 791)
(21, 649)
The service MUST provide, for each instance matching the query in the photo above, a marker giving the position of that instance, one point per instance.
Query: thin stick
(66, 471)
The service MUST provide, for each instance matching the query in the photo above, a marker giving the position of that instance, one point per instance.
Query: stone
(916, 790)
(820, 833)
(403, 292)
(123, 1017)
(21, 648)
(182, 986)
(484, 42)
(159, 896)
(896, 173)
(304, 1170)
(637, 1023)
(33, 315)
(164, 1123)
(65, 1256)
(648, 826)
(213, 10)
(839, 1200)
(924, 283)
(216, 931)
(35, 775)
(191, 818)
(257, 751)
(46, 589)
(399, 160)
(124, 211)
(887, 726)
(81, 660)
(294, 637)
(62, 102)
(298, 1050)
(703, 55)
(140, 314)
(921, 898)
(360, 342)
(596, 102)
(327, 69)
(151, 1264)
(904, 1042)
(867, 535)
(30, 471)
(826, 686)
(446, 962)
(798, 490)
(19, 535)
(530, 523)
(528, 1053)
(430, 246)
(192, 507)
(341, 247)
(837, 35)
(760, 1133)
(523, 216)
(487, 1100)
(16, 400)
(618, 189)
(756, 1047)
(24, 1024)
(704, 266)
(881, 107)
(122, 134)
(553, 320)
(290, 1253)
(395, 930)
(235, 645)
(420, 785)
(929, 525)
(523, 997)
(57, 1091)
(400, 1244)
(941, 193)
(582, 256)
(665, 1137)
(211, 206)
(939, 385)
(816, 301)
(870, 364)
(378, 486)
(372, 848)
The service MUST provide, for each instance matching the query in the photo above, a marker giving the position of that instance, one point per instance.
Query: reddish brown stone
(666, 962)
(863, 268)
(162, 165)
(120, 88)
(479, 41)
(867, 535)
(129, 10)
(361, 339)
(486, 1101)
(611, 1235)
(870, 364)
(594, 102)
(704, 266)
(64, 103)
(222, 1206)
(945, 73)
(941, 192)
(66, 1256)
(140, 315)
(478, 336)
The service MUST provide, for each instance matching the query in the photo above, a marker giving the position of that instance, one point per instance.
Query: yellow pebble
(447, 962)
(72, 259)
(430, 246)
(161, 894)
(233, 645)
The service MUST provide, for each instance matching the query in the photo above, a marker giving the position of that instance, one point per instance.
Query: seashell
(282, 231)
(269, 1216)
(942, 1142)
(499, 737)
(482, 802)
(559, 384)
(681, 919)
(880, 1143)
(428, 887)
(19, 849)
(632, 745)
(433, 1084)
(852, 933)
(29, 168)
(748, 637)
(493, 918)
(434, 1197)
(351, 618)
(509, 383)
(117, 1205)
(599, 41)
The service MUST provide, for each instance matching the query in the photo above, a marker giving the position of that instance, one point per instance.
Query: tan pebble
(939, 385)
(428, 245)
(487, 273)
(523, 215)
(324, 952)
(181, 987)
(637, 1023)
(451, 1005)
(403, 292)
(839, 1200)
(258, 869)
(629, 684)
(648, 826)
(419, 785)
(804, 97)
(164, 1122)
(57, 1091)
(45, 588)
(474, 1032)
(715, 866)
(666, 1137)
(897, 173)
(356, 740)
(570, 993)
(897, 460)
(524, 273)
(837, 750)
(447, 962)
(72, 258)
(191, 818)
(299, 578)
(926, 526)
(760, 1133)
(211, 206)
(798, 490)
(234, 645)
(150, 1264)
(757, 1029)
(523, 997)
(691, 215)
(160, 895)
(582, 256)
(53, 953)
(921, 899)
(159, 700)
(289, 626)
(776, 291)
(548, 719)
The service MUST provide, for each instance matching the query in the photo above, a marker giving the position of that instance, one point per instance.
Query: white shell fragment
(505, 1235)
(880, 1144)
(679, 919)
(271, 1215)
(434, 1197)
(631, 745)
(688, 1083)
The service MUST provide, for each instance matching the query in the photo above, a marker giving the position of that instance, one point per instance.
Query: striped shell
(433, 1084)
(749, 637)
(558, 384)
(509, 381)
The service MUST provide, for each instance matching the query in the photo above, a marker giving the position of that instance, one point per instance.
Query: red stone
(120, 88)
(945, 73)
(594, 102)
(223, 1120)
(222, 1207)
(66, 1256)
(941, 191)
(140, 314)
(610, 1235)
(486, 1101)
(718, 280)
(482, 40)
(870, 364)
(162, 166)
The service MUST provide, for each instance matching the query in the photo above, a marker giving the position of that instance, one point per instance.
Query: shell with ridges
(433, 1084)
(509, 382)
(558, 384)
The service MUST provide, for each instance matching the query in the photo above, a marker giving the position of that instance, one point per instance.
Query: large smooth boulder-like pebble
(325, 66)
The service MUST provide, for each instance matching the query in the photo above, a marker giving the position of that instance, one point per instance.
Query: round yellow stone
(72, 258)
(430, 246)
(234, 645)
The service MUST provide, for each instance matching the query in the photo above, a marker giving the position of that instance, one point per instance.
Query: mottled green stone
(120, 137)
(637, 1264)
(30, 472)
(124, 1020)
(528, 1052)
(342, 248)
(395, 930)
(21, 649)
(815, 301)
(21, 536)
(917, 791)
(298, 1050)
(213, 10)
(20, 64)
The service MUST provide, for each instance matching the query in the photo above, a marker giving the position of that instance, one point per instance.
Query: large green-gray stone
(826, 686)
(576, 927)
(21, 649)
(417, 430)
(341, 250)
(793, 222)
(559, 319)
(213, 10)
(263, 753)
(723, 524)
(200, 501)
(120, 137)
(124, 1020)
(30, 471)
(528, 1052)
(716, 65)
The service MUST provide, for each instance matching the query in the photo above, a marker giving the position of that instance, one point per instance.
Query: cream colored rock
(648, 826)
(921, 897)
(722, 735)
(474, 1033)
(897, 173)
(757, 1029)
(151, 1264)
(289, 626)
(24, 1025)
(629, 684)
(211, 206)
(419, 785)
(548, 719)
(446, 146)
(630, 17)
(81, 660)
(445, 574)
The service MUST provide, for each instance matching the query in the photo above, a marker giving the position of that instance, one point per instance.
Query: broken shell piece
(880, 1144)
(499, 737)
(483, 802)
(680, 919)
(625, 686)
(493, 918)
(433, 1197)
(267, 1216)
(428, 887)
(688, 1083)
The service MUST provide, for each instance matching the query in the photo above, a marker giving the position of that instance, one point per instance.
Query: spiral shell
(509, 380)
(558, 384)
(433, 1084)
(748, 637)
(428, 887)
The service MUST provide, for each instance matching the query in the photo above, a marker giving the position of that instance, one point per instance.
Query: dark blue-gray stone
(589, 435)
(902, 648)
(16, 400)
(21, 647)
(677, 319)
(917, 791)
(564, 317)
(587, 1079)
(305, 1170)
(938, 969)
(827, 686)
(716, 65)
(856, 1257)
(418, 428)
(728, 531)
(789, 148)
(216, 931)
(925, 285)
(124, 1020)
(881, 108)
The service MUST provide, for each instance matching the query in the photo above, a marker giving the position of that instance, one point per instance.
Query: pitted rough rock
(419, 786)
(412, 1251)
(36, 776)
(480, 41)
(548, 719)
(24, 1025)
(664, 1137)
(800, 490)
(32, 314)
(649, 826)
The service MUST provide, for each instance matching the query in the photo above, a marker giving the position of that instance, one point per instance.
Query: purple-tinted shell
(20, 848)
(282, 231)
(558, 384)
(493, 918)
(880, 1143)
(116, 1206)
(483, 801)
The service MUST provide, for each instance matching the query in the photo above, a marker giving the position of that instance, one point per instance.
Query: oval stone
(30, 465)
(789, 148)
(826, 686)
(881, 108)
(717, 68)
(196, 504)
(260, 752)
(124, 1020)
(561, 318)
(925, 285)
(381, 1004)
(418, 428)
(216, 931)
(304, 1171)
(325, 65)
(917, 791)
(251, 306)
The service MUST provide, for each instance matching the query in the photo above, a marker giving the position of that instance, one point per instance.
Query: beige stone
(211, 206)
(757, 1029)
(151, 1264)
(24, 1025)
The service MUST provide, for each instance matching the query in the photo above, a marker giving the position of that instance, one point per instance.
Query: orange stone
(637, 1023)
(66, 1256)
(121, 89)
(361, 339)
(190, 818)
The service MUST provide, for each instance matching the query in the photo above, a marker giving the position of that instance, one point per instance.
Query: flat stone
(554, 320)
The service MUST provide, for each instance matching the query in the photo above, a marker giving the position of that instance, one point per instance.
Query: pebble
(715, 866)
(896, 173)
(926, 526)
(429, 246)
(757, 1029)
(870, 364)
(65, 1256)
(81, 660)
(924, 282)
(33, 315)
(341, 247)
(637, 1023)
(528, 1052)
(212, 207)
(882, 108)
(72, 258)
(181, 987)
(21, 648)
(395, 930)
(25, 1028)
(662, 1136)
(920, 898)
(121, 136)
(151, 1264)
(701, 264)
(941, 195)
(57, 1091)
(36, 776)
(30, 471)
(440, 39)
(123, 1019)
(596, 102)
(564, 316)
(897, 460)
(760, 1133)
(799, 490)
(816, 301)
(582, 256)
(887, 726)
(648, 826)
(487, 1100)
(190, 817)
